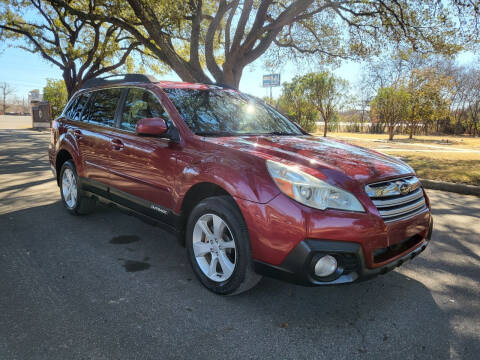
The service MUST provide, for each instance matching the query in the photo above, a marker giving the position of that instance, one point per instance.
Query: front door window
(141, 104)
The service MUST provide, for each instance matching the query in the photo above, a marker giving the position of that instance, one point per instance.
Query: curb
(451, 187)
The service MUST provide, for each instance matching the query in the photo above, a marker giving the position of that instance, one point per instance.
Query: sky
(26, 71)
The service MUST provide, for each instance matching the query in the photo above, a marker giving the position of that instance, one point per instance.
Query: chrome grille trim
(408, 216)
(392, 187)
(402, 210)
(397, 199)
(417, 194)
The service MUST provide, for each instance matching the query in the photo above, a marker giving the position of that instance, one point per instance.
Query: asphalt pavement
(109, 286)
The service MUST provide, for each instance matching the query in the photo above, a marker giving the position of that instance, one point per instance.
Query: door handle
(117, 144)
(77, 134)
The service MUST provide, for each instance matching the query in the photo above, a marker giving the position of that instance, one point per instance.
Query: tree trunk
(70, 90)
(70, 83)
(391, 129)
(410, 136)
(325, 125)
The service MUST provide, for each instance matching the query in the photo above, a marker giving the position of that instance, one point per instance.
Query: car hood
(325, 155)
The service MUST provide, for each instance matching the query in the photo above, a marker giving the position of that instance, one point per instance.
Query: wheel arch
(193, 196)
(62, 156)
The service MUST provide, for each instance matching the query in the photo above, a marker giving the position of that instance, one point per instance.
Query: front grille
(397, 199)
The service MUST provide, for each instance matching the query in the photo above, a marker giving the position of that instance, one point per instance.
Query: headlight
(311, 191)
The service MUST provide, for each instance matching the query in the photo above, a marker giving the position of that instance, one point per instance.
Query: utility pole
(270, 81)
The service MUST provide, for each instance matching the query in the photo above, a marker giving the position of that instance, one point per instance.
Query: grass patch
(457, 141)
(433, 157)
(449, 161)
(445, 167)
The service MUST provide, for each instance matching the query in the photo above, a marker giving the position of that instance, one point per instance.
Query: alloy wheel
(69, 188)
(214, 247)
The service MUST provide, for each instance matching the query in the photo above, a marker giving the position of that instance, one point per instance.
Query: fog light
(326, 266)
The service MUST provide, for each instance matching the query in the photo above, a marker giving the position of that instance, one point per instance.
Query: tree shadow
(74, 277)
(67, 288)
(23, 150)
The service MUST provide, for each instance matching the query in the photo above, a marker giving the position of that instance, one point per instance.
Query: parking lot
(109, 286)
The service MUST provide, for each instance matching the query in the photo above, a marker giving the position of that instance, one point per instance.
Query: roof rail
(116, 79)
(225, 86)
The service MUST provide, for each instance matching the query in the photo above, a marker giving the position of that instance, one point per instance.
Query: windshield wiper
(279, 133)
(216, 133)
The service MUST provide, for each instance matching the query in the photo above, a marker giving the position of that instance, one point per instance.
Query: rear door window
(102, 107)
(141, 104)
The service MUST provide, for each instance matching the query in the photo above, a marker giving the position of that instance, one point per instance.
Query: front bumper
(297, 267)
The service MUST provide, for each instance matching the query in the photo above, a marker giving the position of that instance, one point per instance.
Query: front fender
(242, 176)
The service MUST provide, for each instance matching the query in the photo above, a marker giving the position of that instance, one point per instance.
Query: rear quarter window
(75, 109)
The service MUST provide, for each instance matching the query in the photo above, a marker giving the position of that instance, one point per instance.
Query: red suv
(247, 191)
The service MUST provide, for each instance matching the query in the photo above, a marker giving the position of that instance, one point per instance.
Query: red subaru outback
(248, 192)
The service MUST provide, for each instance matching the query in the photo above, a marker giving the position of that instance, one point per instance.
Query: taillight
(53, 131)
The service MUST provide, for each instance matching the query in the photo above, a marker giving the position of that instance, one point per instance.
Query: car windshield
(219, 112)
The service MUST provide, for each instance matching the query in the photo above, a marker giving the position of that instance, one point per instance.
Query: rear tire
(217, 238)
(73, 197)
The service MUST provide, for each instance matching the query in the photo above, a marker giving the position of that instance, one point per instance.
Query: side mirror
(151, 127)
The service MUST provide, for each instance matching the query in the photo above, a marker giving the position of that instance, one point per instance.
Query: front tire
(218, 247)
(72, 195)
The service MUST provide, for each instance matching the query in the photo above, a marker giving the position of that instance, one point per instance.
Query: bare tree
(6, 90)
(472, 103)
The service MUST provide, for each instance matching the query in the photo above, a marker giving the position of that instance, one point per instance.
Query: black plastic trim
(297, 267)
(154, 212)
(119, 79)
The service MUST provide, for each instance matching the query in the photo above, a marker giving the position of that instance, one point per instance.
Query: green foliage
(55, 92)
(325, 92)
(428, 88)
(81, 48)
(204, 39)
(294, 104)
(312, 96)
(391, 107)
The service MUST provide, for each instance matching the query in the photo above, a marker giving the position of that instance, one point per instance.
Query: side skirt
(147, 211)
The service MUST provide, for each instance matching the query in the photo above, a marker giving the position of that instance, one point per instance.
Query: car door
(98, 132)
(143, 167)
